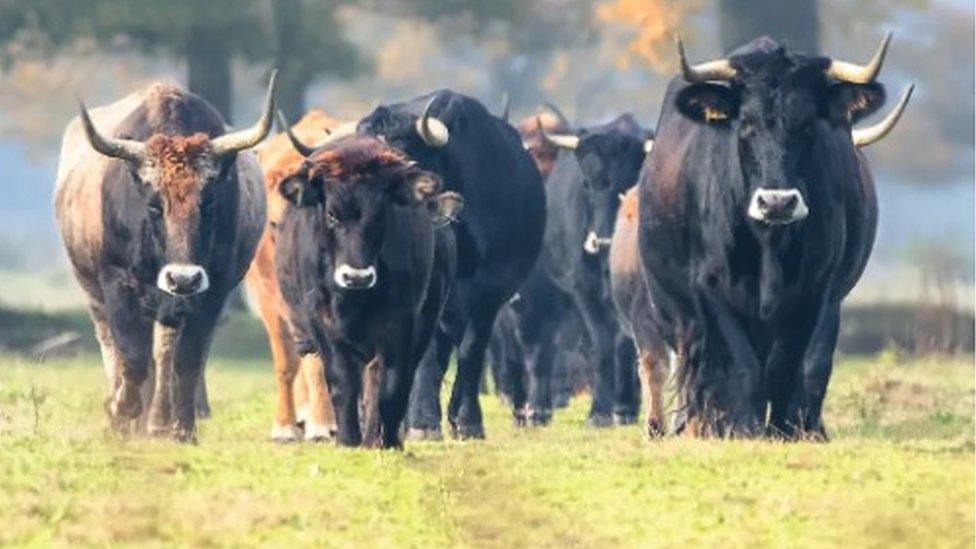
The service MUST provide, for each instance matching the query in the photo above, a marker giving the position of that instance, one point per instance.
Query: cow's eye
(331, 220)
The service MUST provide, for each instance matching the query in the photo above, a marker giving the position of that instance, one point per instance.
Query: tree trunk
(794, 22)
(208, 67)
(293, 75)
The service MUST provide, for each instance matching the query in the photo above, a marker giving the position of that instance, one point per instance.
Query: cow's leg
(399, 360)
(131, 337)
(464, 410)
(320, 423)
(373, 376)
(600, 327)
(285, 359)
(653, 374)
(164, 348)
(202, 398)
(425, 402)
(111, 359)
(189, 362)
(818, 364)
(626, 400)
(511, 358)
(345, 378)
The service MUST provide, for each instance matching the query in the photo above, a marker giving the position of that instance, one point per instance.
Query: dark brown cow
(160, 211)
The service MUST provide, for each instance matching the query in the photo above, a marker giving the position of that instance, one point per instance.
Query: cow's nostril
(791, 202)
(170, 279)
(761, 202)
(195, 279)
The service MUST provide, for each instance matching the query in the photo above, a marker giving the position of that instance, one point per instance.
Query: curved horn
(296, 143)
(431, 130)
(506, 103)
(245, 139)
(556, 112)
(126, 149)
(719, 69)
(863, 137)
(648, 145)
(860, 74)
(562, 141)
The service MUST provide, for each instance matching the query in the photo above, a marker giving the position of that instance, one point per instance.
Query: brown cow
(301, 398)
(543, 151)
(631, 299)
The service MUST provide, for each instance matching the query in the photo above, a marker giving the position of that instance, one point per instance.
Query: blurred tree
(209, 35)
(795, 22)
(655, 23)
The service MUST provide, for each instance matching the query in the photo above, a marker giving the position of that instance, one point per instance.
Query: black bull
(757, 217)
(595, 166)
(499, 235)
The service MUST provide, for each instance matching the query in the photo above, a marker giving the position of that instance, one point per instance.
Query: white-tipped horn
(126, 149)
(717, 70)
(431, 130)
(863, 137)
(245, 139)
(860, 74)
(563, 141)
(506, 106)
(648, 146)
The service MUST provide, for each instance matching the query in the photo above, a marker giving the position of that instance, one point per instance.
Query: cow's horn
(860, 74)
(296, 143)
(431, 130)
(863, 137)
(556, 112)
(560, 140)
(648, 145)
(719, 69)
(506, 104)
(245, 139)
(126, 149)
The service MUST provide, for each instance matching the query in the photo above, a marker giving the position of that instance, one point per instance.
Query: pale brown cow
(302, 399)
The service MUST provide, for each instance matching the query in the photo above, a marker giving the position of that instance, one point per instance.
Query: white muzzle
(351, 278)
(182, 280)
(778, 206)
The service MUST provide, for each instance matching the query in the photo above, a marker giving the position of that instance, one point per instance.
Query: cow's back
(79, 183)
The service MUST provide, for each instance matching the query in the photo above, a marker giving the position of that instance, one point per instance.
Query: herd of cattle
(714, 250)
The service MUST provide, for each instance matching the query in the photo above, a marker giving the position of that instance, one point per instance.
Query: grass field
(899, 472)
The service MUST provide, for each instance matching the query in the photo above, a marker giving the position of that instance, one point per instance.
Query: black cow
(596, 166)
(498, 235)
(160, 216)
(757, 216)
(364, 270)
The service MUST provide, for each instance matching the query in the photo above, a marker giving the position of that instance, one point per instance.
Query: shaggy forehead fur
(354, 159)
(177, 161)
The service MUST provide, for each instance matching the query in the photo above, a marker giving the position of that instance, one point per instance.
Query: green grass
(899, 471)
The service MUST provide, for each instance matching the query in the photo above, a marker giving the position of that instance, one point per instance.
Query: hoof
(467, 432)
(320, 433)
(518, 418)
(125, 404)
(302, 414)
(417, 433)
(184, 435)
(540, 418)
(159, 430)
(284, 434)
(624, 419)
(599, 421)
(653, 430)
(203, 412)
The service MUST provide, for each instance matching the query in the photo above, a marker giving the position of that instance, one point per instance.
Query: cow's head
(350, 184)
(548, 118)
(176, 178)
(610, 157)
(777, 105)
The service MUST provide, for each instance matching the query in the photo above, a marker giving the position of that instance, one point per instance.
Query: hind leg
(626, 399)
(320, 422)
(464, 410)
(653, 373)
(425, 401)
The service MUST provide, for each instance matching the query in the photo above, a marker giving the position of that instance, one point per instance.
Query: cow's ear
(708, 103)
(301, 191)
(849, 103)
(445, 208)
(415, 186)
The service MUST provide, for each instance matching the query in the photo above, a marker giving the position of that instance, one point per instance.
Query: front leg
(344, 371)
(131, 343)
(190, 358)
(160, 410)
(818, 364)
